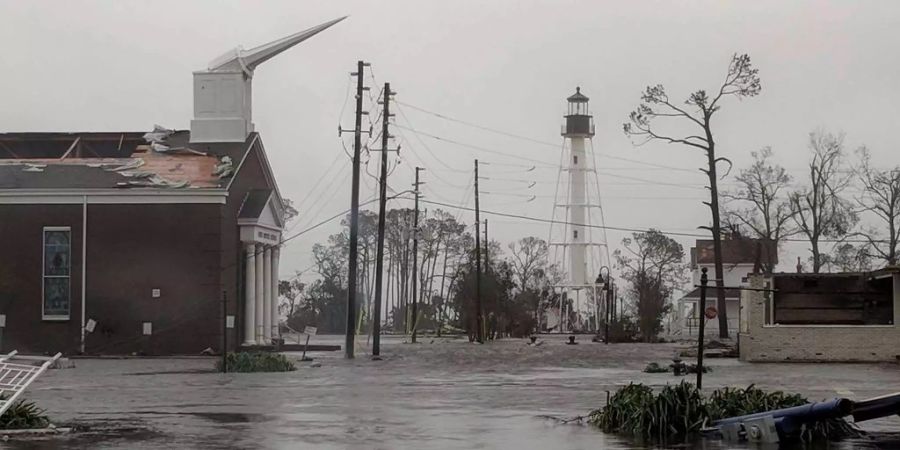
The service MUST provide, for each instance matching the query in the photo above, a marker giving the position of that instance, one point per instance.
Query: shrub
(257, 362)
(681, 410)
(23, 415)
(655, 368)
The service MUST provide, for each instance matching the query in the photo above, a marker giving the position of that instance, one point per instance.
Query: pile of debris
(712, 349)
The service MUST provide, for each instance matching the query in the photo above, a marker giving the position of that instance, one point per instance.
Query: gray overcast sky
(125, 65)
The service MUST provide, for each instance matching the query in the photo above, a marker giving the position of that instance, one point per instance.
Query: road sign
(711, 312)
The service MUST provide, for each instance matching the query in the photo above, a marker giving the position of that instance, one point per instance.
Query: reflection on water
(442, 394)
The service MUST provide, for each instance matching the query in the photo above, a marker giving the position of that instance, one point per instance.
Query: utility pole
(354, 214)
(479, 317)
(379, 252)
(415, 268)
(487, 248)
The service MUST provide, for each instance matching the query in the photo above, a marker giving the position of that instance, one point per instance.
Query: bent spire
(248, 60)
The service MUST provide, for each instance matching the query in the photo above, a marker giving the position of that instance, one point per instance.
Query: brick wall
(847, 343)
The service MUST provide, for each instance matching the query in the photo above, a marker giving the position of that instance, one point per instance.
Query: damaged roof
(711, 294)
(734, 251)
(115, 160)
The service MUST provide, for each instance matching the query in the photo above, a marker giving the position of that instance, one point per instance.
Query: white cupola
(222, 92)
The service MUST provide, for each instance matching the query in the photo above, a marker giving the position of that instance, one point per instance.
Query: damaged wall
(760, 341)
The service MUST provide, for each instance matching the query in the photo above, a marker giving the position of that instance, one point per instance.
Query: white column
(260, 294)
(276, 254)
(250, 296)
(267, 295)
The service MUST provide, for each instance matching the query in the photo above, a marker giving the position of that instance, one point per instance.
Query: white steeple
(222, 93)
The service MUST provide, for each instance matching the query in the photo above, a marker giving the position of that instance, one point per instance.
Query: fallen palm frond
(23, 415)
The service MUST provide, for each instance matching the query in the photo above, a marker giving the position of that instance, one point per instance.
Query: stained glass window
(57, 267)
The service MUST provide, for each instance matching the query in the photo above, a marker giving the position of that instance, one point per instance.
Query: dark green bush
(679, 411)
(23, 415)
(256, 362)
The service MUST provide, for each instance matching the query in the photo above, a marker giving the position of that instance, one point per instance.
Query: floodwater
(437, 394)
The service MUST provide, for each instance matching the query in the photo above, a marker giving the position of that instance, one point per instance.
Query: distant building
(740, 257)
(128, 242)
(822, 317)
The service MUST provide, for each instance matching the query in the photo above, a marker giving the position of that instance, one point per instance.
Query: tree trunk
(721, 306)
(817, 256)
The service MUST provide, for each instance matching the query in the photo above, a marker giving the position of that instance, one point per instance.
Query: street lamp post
(605, 283)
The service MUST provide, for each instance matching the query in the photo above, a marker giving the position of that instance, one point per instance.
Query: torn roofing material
(104, 145)
(182, 166)
(734, 251)
(148, 169)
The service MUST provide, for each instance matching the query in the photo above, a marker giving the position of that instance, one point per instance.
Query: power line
(425, 146)
(538, 141)
(475, 147)
(662, 183)
(422, 161)
(480, 127)
(611, 228)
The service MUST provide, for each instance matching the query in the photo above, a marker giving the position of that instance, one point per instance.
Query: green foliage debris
(257, 362)
(679, 411)
(24, 415)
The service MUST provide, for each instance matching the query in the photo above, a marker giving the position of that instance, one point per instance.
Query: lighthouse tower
(578, 248)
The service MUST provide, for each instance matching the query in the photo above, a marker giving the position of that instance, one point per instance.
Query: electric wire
(537, 141)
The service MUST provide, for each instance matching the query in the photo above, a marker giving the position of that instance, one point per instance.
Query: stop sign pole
(704, 279)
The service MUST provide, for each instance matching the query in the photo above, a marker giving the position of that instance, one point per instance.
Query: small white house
(740, 257)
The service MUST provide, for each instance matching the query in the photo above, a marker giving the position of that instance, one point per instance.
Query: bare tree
(290, 211)
(819, 210)
(761, 204)
(881, 197)
(742, 80)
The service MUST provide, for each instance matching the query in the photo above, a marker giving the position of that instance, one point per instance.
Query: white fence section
(16, 377)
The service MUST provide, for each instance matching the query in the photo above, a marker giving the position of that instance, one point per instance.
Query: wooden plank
(818, 301)
(823, 316)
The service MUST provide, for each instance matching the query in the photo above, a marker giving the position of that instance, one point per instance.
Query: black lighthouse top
(578, 97)
(578, 118)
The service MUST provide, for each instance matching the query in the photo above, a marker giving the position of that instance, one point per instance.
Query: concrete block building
(844, 317)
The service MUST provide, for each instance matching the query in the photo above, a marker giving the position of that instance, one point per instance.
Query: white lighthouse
(579, 249)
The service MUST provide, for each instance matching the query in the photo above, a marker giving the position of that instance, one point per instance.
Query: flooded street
(439, 394)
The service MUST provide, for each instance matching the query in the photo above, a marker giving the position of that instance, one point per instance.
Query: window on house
(575, 234)
(57, 273)
(575, 159)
